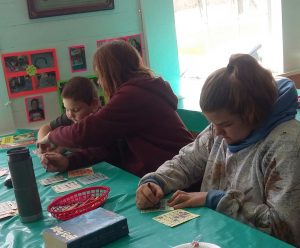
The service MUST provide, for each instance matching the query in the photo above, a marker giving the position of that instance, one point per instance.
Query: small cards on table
(92, 178)
(67, 186)
(3, 171)
(8, 209)
(175, 217)
(85, 176)
(81, 172)
(52, 180)
(161, 206)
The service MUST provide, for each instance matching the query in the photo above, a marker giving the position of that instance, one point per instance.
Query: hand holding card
(148, 195)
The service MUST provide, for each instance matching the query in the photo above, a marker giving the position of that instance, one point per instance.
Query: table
(143, 231)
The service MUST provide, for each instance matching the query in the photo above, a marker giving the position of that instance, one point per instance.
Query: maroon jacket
(139, 128)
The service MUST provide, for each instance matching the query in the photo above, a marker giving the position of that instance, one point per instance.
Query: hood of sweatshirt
(155, 86)
(285, 108)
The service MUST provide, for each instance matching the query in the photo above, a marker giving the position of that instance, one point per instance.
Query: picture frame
(30, 72)
(42, 8)
(35, 110)
(135, 40)
(77, 58)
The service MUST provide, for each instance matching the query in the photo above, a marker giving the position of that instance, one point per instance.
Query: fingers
(54, 162)
(175, 195)
(148, 195)
(156, 190)
(181, 199)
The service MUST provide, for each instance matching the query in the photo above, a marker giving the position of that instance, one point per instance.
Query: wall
(160, 34)
(19, 33)
(291, 34)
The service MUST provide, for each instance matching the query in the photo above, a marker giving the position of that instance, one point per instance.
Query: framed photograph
(44, 8)
(16, 63)
(134, 40)
(30, 72)
(46, 80)
(77, 58)
(35, 108)
(20, 84)
(101, 42)
(43, 60)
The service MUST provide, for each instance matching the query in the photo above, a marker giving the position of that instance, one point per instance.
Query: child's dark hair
(244, 88)
(80, 89)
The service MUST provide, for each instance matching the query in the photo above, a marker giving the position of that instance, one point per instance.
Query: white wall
(291, 34)
(19, 33)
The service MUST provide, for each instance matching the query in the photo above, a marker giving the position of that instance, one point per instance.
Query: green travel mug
(24, 183)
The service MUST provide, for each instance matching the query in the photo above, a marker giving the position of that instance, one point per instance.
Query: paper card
(52, 180)
(3, 171)
(161, 206)
(17, 140)
(67, 186)
(8, 209)
(92, 178)
(175, 217)
(7, 140)
(80, 172)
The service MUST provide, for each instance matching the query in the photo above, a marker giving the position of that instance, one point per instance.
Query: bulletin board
(30, 72)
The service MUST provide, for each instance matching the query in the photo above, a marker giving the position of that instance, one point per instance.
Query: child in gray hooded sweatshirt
(248, 158)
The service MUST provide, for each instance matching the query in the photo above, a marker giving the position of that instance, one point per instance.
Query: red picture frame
(77, 58)
(35, 109)
(135, 40)
(30, 72)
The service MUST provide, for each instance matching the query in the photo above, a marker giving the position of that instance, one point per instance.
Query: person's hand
(148, 195)
(182, 199)
(54, 162)
(44, 145)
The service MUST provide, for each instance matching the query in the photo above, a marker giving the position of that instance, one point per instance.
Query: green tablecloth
(143, 230)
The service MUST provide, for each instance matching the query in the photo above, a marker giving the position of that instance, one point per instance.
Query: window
(209, 31)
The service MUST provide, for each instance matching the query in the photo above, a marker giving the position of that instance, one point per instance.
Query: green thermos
(24, 183)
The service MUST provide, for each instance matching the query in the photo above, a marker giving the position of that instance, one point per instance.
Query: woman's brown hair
(80, 89)
(115, 63)
(244, 88)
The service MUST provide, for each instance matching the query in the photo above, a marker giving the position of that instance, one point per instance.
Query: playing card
(67, 186)
(175, 217)
(7, 209)
(7, 140)
(3, 171)
(52, 180)
(81, 172)
(161, 206)
(92, 178)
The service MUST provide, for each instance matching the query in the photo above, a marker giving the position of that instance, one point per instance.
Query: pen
(150, 187)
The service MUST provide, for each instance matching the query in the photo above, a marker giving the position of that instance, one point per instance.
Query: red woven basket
(78, 202)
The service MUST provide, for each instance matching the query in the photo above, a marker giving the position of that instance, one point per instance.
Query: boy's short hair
(80, 89)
